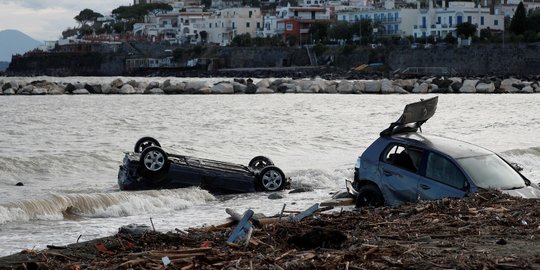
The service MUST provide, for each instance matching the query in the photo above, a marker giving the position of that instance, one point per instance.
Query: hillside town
(166, 37)
(220, 21)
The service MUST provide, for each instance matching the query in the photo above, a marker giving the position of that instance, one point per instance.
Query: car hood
(527, 192)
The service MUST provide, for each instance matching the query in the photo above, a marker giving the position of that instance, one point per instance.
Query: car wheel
(271, 178)
(145, 142)
(369, 195)
(259, 162)
(154, 160)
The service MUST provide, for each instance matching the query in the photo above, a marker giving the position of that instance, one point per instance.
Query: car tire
(369, 195)
(271, 178)
(145, 142)
(154, 160)
(259, 162)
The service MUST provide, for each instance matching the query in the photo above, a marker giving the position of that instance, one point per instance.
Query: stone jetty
(123, 86)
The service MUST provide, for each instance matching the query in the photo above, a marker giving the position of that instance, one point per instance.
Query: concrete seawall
(517, 60)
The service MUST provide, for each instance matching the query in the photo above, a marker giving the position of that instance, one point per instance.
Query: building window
(258, 25)
(496, 22)
(469, 19)
(439, 20)
(289, 27)
(450, 21)
(210, 25)
(250, 13)
(482, 20)
(423, 22)
(247, 24)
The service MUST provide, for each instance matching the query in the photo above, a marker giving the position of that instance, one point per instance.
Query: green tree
(242, 40)
(466, 29)
(518, 25)
(363, 29)
(340, 30)
(251, 3)
(137, 12)
(275, 41)
(450, 39)
(178, 53)
(292, 40)
(485, 34)
(157, 8)
(69, 32)
(207, 3)
(319, 31)
(204, 36)
(87, 16)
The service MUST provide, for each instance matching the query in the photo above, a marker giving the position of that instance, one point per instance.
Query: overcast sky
(46, 19)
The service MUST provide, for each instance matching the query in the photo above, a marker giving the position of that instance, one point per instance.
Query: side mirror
(467, 186)
(516, 166)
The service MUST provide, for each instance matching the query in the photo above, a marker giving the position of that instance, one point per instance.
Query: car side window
(443, 170)
(403, 157)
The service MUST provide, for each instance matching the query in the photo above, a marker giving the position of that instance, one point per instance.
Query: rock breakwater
(20, 86)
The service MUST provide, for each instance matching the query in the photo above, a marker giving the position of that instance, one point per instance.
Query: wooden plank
(306, 213)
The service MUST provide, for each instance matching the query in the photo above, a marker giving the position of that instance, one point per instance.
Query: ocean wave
(102, 205)
(320, 178)
(46, 165)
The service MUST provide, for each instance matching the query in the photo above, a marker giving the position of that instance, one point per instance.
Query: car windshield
(490, 171)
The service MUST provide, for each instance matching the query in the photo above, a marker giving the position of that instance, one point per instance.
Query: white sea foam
(115, 204)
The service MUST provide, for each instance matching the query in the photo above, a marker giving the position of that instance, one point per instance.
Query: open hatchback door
(414, 115)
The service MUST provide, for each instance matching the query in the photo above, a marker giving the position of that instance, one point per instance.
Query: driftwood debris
(489, 230)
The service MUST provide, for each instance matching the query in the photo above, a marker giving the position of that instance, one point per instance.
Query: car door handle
(423, 186)
(389, 173)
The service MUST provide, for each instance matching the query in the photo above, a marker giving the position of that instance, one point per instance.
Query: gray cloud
(46, 19)
(98, 5)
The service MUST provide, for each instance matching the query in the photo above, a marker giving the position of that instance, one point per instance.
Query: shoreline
(167, 85)
(487, 230)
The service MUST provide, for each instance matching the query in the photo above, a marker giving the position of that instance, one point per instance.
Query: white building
(441, 21)
(191, 23)
(509, 8)
(269, 28)
(222, 26)
(303, 13)
(390, 21)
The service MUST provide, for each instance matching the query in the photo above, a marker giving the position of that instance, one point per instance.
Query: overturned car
(150, 167)
(404, 165)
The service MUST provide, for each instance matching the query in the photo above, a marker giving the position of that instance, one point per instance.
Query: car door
(441, 178)
(398, 167)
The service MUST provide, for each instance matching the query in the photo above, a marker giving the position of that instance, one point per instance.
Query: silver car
(404, 165)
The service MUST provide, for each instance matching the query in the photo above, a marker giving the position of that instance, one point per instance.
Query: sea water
(67, 149)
